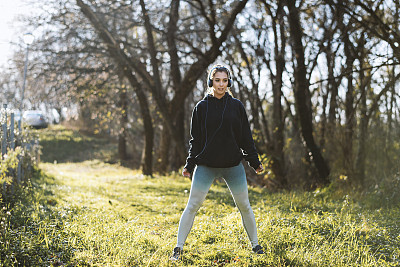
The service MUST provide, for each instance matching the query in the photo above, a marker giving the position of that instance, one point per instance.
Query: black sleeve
(247, 142)
(195, 141)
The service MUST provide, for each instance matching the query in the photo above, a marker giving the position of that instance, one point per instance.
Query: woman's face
(220, 84)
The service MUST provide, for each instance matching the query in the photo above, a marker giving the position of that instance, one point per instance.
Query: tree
(277, 144)
(302, 94)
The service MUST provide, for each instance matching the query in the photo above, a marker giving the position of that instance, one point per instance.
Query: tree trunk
(348, 48)
(59, 111)
(363, 127)
(123, 104)
(164, 151)
(177, 156)
(324, 123)
(179, 153)
(333, 90)
(278, 164)
(302, 95)
(350, 116)
(147, 155)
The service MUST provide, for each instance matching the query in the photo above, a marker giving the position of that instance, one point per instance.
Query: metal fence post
(19, 126)
(12, 147)
(4, 141)
(10, 138)
(31, 149)
(23, 176)
(37, 152)
(5, 113)
(19, 170)
(12, 134)
(4, 128)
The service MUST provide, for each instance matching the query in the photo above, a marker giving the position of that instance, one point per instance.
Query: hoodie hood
(213, 98)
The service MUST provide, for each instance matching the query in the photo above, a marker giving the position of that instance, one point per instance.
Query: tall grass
(93, 213)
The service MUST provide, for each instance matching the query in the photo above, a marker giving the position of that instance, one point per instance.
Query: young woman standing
(221, 138)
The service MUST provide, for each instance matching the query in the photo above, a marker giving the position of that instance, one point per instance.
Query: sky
(9, 9)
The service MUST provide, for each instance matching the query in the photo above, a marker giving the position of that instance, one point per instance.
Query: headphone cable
(219, 127)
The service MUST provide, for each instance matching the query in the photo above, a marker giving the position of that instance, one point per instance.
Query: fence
(19, 151)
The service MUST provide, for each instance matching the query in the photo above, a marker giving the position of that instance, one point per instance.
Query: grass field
(92, 213)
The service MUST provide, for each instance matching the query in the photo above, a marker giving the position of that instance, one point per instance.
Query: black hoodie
(221, 135)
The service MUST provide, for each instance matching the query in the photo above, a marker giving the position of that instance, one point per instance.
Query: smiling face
(220, 84)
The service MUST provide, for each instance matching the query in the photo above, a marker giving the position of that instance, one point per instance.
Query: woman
(221, 138)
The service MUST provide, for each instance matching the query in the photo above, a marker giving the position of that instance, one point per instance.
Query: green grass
(66, 145)
(93, 213)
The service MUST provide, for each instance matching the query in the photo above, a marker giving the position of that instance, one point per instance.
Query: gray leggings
(203, 177)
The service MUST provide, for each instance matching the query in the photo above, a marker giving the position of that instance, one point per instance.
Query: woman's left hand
(260, 169)
(185, 173)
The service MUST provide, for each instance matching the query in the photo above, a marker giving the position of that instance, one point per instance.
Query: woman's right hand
(260, 169)
(186, 173)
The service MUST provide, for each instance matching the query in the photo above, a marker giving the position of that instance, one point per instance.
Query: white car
(35, 119)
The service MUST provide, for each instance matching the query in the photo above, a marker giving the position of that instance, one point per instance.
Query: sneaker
(258, 249)
(177, 254)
